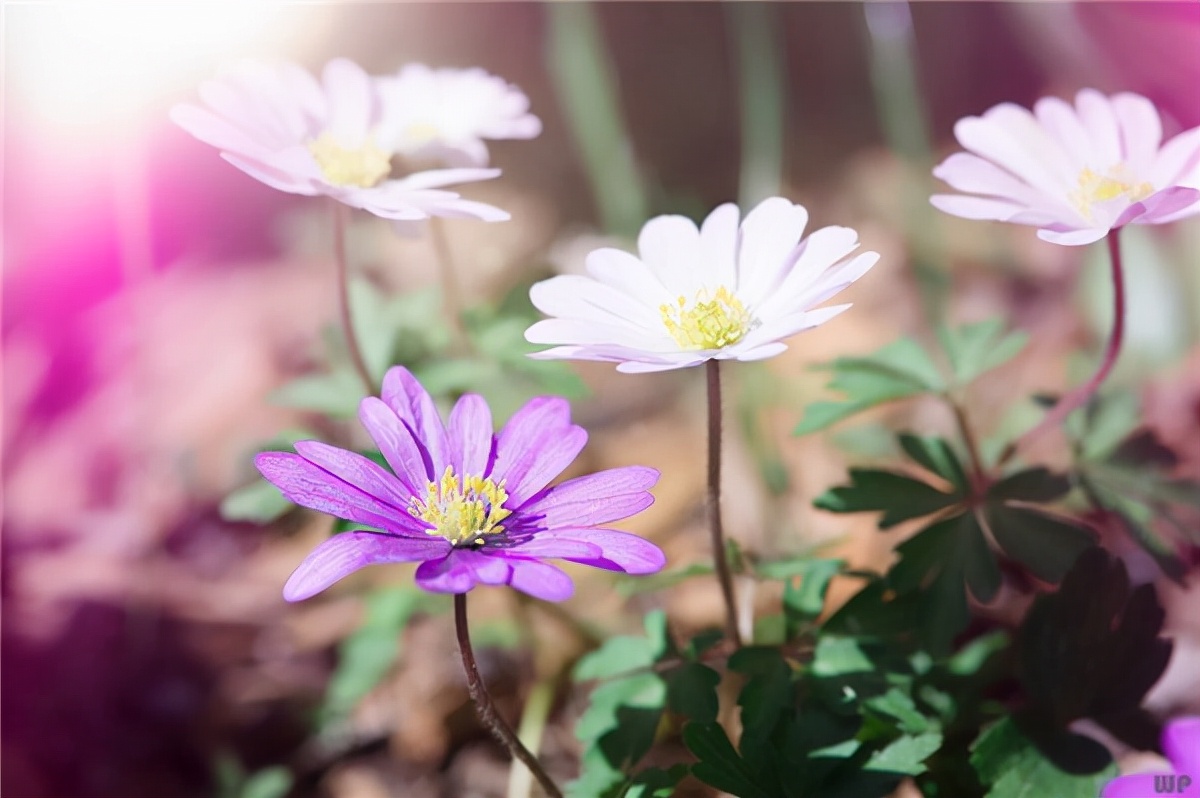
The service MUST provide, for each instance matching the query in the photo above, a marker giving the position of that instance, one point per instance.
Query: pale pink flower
(278, 124)
(720, 292)
(1075, 172)
(445, 114)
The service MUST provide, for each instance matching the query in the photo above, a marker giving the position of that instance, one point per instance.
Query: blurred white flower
(278, 124)
(721, 292)
(1075, 172)
(444, 115)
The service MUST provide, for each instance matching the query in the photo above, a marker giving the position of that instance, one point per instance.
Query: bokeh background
(154, 297)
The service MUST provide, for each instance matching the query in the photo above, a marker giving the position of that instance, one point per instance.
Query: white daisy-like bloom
(444, 115)
(1077, 172)
(691, 295)
(278, 124)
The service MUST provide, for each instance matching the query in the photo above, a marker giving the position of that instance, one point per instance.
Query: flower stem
(340, 214)
(451, 290)
(721, 562)
(978, 472)
(484, 706)
(1079, 397)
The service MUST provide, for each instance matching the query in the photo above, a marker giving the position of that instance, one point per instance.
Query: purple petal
(620, 551)
(534, 447)
(471, 438)
(1072, 238)
(597, 498)
(396, 443)
(540, 580)
(461, 570)
(1160, 206)
(1137, 785)
(413, 404)
(344, 554)
(309, 485)
(357, 470)
(1181, 744)
(546, 547)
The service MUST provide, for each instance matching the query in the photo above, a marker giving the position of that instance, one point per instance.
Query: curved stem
(1078, 397)
(484, 706)
(448, 275)
(978, 472)
(340, 214)
(721, 562)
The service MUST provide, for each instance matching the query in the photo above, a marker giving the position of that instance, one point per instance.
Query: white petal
(974, 175)
(719, 245)
(1073, 238)
(987, 208)
(1059, 119)
(586, 299)
(1141, 131)
(670, 246)
(1010, 136)
(1178, 162)
(351, 99)
(787, 326)
(572, 332)
(770, 233)
(761, 352)
(627, 274)
(816, 254)
(1101, 124)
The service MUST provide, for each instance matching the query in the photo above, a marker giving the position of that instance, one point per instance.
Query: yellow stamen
(466, 510)
(363, 166)
(1094, 188)
(709, 323)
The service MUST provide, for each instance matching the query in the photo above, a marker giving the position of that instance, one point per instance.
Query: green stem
(761, 95)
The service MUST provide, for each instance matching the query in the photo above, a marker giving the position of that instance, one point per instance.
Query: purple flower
(471, 506)
(1181, 744)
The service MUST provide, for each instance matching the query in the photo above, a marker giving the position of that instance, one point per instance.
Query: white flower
(720, 292)
(276, 123)
(1075, 172)
(445, 114)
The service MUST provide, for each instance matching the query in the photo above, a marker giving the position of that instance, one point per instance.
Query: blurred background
(154, 298)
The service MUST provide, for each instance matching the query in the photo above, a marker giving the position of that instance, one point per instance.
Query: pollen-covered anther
(1094, 189)
(709, 322)
(363, 166)
(462, 511)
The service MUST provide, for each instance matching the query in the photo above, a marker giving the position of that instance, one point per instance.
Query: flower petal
(584, 298)
(719, 245)
(460, 570)
(1098, 119)
(1141, 130)
(1178, 161)
(770, 233)
(1009, 136)
(352, 101)
(627, 274)
(353, 468)
(1072, 238)
(1167, 205)
(472, 443)
(1181, 744)
(597, 498)
(540, 580)
(670, 247)
(395, 441)
(620, 551)
(552, 547)
(536, 444)
(413, 404)
(987, 208)
(309, 485)
(342, 555)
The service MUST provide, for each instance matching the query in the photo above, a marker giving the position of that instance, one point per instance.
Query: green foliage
(366, 656)
(1011, 766)
(904, 368)
(950, 554)
(1091, 650)
(232, 781)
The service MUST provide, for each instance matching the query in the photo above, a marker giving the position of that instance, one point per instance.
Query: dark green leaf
(1012, 767)
(936, 455)
(692, 691)
(1047, 545)
(906, 755)
(804, 594)
(900, 497)
(1038, 485)
(719, 765)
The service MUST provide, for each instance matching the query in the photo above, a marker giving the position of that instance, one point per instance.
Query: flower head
(1075, 172)
(445, 114)
(1181, 744)
(278, 124)
(719, 292)
(471, 506)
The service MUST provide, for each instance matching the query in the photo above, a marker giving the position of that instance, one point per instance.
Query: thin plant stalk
(448, 275)
(340, 214)
(720, 560)
(529, 731)
(760, 71)
(487, 709)
(1080, 396)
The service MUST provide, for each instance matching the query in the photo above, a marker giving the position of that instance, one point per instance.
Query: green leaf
(1038, 485)
(898, 704)
(974, 349)
(1137, 518)
(803, 601)
(260, 502)
(936, 455)
(906, 755)
(900, 497)
(1012, 767)
(1047, 545)
(656, 782)
(272, 782)
(898, 370)
(366, 656)
(626, 653)
(692, 691)
(1109, 420)
(662, 580)
(720, 765)
(336, 394)
(837, 656)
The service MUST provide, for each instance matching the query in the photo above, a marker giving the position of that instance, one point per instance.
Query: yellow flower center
(1114, 184)
(710, 322)
(363, 166)
(462, 511)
